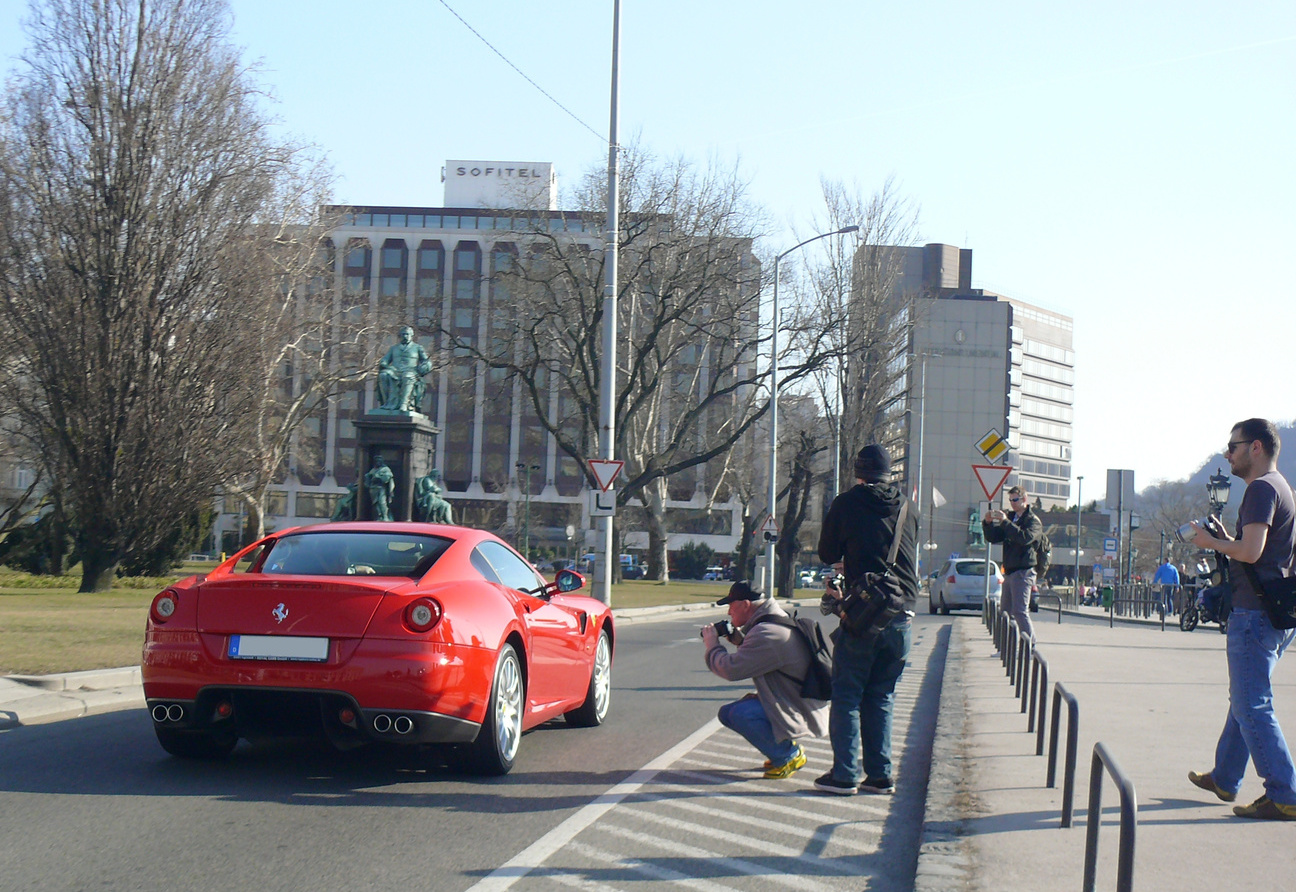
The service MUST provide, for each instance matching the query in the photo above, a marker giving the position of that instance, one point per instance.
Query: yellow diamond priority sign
(992, 446)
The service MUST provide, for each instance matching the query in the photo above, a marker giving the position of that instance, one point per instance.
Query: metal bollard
(1060, 693)
(1040, 674)
(1128, 821)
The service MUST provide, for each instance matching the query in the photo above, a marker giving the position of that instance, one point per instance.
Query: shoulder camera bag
(1278, 597)
(875, 599)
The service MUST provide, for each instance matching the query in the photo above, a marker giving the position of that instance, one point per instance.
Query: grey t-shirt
(1268, 500)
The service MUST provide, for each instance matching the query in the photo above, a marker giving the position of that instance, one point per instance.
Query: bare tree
(860, 280)
(134, 163)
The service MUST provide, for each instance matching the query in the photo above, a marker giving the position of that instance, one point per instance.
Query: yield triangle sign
(770, 526)
(605, 471)
(991, 478)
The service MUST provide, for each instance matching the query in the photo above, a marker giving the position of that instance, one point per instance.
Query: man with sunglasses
(1265, 539)
(1021, 535)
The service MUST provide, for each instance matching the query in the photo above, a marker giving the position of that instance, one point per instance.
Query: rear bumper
(287, 712)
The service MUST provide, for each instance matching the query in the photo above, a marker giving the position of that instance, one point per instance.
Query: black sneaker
(830, 784)
(1207, 782)
(879, 785)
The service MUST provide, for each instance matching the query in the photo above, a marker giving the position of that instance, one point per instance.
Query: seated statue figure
(429, 507)
(400, 375)
(345, 508)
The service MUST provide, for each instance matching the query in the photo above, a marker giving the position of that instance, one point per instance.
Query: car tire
(495, 749)
(944, 608)
(196, 744)
(931, 604)
(598, 697)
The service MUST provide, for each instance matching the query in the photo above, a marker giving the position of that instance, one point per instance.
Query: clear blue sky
(1129, 164)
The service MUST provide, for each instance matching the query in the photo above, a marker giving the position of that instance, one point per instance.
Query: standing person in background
(1264, 542)
(1020, 534)
(1167, 576)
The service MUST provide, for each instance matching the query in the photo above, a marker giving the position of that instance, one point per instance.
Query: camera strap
(895, 540)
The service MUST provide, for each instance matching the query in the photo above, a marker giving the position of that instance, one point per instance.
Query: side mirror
(569, 581)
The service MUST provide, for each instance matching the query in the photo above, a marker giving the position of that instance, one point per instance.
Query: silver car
(960, 585)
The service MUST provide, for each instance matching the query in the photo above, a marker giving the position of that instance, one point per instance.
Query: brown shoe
(1266, 809)
(1206, 782)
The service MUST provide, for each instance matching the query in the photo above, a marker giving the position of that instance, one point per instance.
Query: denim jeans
(747, 717)
(1254, 647)
(864, 676)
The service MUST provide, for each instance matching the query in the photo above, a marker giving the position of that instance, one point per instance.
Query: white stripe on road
(646, 868)
(535, 854)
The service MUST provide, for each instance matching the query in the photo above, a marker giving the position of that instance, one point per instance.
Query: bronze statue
(429, 507)
(976, 538)
(381, 484)
(400, 375)
(345, 509)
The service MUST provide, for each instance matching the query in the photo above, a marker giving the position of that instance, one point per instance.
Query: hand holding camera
(712, 633)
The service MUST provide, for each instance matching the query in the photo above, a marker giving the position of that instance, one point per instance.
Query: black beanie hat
(873, 464)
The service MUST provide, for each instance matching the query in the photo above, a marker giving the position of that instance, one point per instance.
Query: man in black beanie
(856, 538)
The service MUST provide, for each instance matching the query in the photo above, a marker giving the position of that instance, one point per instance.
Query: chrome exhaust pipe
(160, 713)
(403, 724)
(382, 723)
(175, 712)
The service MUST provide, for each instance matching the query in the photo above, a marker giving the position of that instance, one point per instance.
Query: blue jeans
(864, 676)
(747, 717)
(1251, 730)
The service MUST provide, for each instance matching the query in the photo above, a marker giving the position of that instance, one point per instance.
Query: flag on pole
(937, 498)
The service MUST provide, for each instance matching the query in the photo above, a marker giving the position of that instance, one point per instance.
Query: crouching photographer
(771, 654)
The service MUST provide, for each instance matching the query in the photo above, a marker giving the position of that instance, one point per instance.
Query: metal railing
(1060, 693)
(1128, 821)
(1038, 686)
(1055, 597)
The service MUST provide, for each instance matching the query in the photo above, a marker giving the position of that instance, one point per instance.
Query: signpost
(992, 478)
(603, 499)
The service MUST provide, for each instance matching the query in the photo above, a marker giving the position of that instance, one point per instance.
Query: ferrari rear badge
(280, 613)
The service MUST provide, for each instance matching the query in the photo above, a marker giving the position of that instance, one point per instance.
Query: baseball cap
(741, 591)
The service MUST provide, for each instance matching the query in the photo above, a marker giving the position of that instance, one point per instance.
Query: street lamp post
(1075, 587)
(526, 469)
(774, 360)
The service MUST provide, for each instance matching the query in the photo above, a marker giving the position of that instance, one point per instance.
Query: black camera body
(723, 628)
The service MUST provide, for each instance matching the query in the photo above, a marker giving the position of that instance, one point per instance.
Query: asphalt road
(659, 794)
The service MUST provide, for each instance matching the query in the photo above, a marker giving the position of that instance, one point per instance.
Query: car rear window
(353, 554)
(971, 568)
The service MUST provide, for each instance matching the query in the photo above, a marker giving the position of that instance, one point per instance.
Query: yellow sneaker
(1266, 809)
(1207, 782)
(778, 772)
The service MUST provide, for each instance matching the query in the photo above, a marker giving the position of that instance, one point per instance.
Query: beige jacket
(776, 660)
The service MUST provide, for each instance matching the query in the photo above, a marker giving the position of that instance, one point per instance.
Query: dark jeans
(864, 676)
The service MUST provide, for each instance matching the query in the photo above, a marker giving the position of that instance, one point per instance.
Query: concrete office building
(432, 266)
(981, 362)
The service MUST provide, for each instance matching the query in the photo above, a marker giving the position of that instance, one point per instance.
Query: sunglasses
(1233, 444)
(1014, 499)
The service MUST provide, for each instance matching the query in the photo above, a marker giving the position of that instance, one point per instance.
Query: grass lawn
(46, 626)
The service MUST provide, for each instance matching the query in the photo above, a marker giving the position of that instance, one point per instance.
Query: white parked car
(960, 585)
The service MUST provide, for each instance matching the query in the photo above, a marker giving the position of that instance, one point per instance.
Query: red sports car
(409, 633)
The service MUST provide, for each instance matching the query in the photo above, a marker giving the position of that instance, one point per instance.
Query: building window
(393, 258)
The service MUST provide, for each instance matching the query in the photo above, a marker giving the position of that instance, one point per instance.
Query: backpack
(817, 684)
(1043, 555)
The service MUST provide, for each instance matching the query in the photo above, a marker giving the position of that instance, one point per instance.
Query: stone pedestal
(407, 443)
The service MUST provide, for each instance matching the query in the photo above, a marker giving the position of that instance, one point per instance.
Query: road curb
(946, 857)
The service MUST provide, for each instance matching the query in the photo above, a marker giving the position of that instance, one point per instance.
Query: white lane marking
(737, 839)
(535, 854)
(639, 865)
(822, 834)
(739, 865)
(863, 828)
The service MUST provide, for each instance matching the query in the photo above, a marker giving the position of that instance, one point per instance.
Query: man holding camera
(1021, 535)
(770, 654)
(857, 538)
(1262, 550)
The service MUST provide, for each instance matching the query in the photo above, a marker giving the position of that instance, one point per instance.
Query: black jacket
(858, 531)
(1020, 538)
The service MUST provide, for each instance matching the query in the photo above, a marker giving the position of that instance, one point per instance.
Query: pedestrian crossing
(705, 818)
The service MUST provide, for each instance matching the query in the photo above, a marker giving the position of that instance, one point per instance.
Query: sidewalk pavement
(1157, 700)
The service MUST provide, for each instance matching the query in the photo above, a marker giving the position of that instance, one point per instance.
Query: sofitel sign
(500, 184)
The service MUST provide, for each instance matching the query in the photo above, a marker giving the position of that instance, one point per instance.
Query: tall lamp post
(526, 469)
(774, 360)
(1075, 586)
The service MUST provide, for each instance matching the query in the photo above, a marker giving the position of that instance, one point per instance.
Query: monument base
(407, 444)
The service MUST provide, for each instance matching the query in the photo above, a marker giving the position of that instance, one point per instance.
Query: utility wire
(523, 73)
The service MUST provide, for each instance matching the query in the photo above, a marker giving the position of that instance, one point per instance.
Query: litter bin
(1108, 595)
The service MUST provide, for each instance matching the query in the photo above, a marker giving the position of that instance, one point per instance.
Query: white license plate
(278, 647)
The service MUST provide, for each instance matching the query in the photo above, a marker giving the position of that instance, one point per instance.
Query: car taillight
(422, 615)
(164, 605)
(951, 580)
